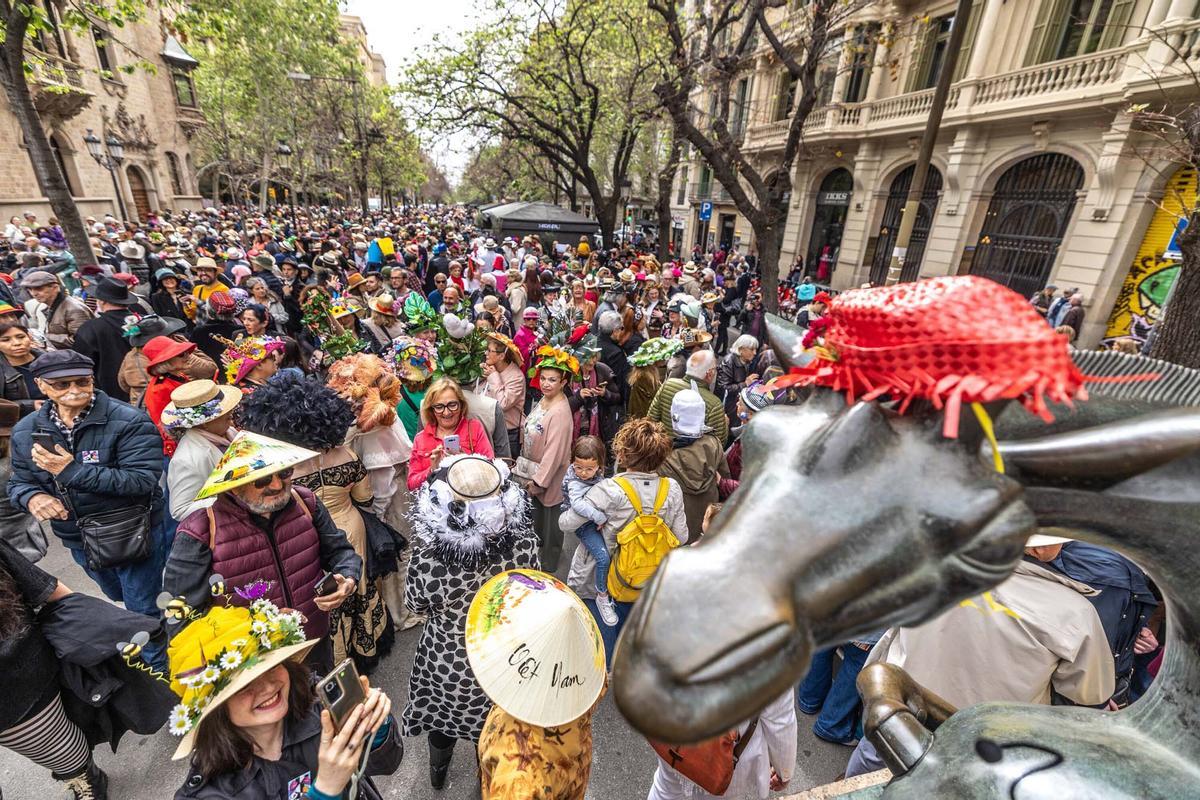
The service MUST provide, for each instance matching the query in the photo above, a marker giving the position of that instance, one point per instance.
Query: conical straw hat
(251, 456)
(534, 648)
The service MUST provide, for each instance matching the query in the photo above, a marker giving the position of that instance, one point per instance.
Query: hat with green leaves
(655, 351)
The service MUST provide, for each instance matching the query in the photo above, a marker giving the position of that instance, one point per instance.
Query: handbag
(112, 538)
(710, 764)
(524, 470)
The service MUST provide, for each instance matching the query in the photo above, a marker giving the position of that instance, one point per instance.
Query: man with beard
(258, 523)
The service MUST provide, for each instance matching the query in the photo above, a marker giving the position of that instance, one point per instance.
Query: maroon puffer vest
(243, 553)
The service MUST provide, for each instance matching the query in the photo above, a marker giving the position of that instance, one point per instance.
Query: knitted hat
(949, 340)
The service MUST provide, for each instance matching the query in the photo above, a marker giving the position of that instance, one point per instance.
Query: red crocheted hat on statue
(950, 340)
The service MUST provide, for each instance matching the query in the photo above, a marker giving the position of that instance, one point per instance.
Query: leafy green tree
(571, 79)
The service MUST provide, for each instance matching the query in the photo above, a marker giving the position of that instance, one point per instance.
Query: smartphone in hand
(45, 439)
(326, 585)
(452, 444)
(340, 691)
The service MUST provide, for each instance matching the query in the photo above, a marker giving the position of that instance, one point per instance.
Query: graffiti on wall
(1156, 265)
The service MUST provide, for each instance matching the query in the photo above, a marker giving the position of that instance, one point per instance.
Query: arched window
(62, 164)
(176, 175)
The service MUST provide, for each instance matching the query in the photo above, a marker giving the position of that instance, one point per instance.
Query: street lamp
(284, 154)
(110, 158)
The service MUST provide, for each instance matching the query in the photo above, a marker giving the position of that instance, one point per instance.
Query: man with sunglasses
(82, 454)
(262, 527)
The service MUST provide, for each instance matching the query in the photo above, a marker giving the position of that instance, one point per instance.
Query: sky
(395, 28)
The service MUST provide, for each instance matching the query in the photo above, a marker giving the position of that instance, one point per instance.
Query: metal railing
(54, 71)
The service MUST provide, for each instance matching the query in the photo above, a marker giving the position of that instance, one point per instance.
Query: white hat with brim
(1045, 540)
(523, 617)
(197, 402)
(251, 456)
(245, 677)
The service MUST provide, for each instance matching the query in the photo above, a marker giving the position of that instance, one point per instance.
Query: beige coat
(1032, 632)
(133, 378)
(507, 387)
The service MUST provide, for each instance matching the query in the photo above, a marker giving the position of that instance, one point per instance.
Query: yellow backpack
(641, 545)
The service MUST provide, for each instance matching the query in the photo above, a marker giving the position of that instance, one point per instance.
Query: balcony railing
(1044, 85)
(1070, 74)
(54, 71)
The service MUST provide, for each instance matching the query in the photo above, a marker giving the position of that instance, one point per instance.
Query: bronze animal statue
(853, 518)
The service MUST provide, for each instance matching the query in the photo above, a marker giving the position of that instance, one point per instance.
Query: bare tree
(709, 50)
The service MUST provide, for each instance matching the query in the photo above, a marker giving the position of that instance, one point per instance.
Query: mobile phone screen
(452, 443)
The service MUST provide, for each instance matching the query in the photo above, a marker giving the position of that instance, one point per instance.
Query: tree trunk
(770, 242)
(1177, 339)
(264, 182)
(46, 169)
(666, 180)
(606, 215)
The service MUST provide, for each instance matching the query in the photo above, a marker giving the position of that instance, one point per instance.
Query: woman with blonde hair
(579, 304)
(448, 431)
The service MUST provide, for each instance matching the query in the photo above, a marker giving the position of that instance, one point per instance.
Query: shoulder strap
(409, 400)
(627, 487)
(303, 505)
(663, 488)
(744, 740)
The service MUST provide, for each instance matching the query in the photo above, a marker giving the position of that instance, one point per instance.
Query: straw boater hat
(225, 651)
(513, 350)
(690, 337)
(249, 457)
(709, 297)
(197, 402)
(531, 612)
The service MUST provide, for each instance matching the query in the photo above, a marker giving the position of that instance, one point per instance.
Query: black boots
(439, 764)
(89, 783)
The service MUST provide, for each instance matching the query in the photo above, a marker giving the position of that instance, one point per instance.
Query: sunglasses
(445, 408)
(283, 475)
(62, 384)
(435, 280)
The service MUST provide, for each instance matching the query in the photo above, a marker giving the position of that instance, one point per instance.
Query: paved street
(622, 768)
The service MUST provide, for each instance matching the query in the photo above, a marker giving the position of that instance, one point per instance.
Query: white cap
(688, 412)
(1045, 540)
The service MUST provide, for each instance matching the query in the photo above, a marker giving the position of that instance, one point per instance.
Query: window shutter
(1047, 32)
(1115, 28)
(968, 47)
(919, 63)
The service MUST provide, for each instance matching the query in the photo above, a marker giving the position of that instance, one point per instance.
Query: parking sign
(705, 211)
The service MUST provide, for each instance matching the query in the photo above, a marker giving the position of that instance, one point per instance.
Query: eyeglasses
(445, 408)
(283, 475)
(62, 384)
(439, 280)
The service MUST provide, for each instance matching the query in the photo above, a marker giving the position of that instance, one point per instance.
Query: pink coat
(471, 435)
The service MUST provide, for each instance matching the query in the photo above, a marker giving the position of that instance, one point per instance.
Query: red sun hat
(163, 348)
(950, 340)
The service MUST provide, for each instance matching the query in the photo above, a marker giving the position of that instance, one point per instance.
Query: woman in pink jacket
(506, 384)
(444, 412)
(546, 452)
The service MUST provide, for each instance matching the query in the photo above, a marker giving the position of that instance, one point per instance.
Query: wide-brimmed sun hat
(523, 616)
(197, 402)
(383, 304)
(249, 457)
(513, 351)
(226, 650)
(690, 337)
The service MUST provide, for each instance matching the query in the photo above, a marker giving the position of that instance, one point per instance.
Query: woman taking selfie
(448, 431)
(249, 717)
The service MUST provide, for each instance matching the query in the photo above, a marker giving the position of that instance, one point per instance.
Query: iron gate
(1026, 220)
(892, 211)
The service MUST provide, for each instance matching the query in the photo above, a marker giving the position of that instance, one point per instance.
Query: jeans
(593, 540)
(835, 697)
(864, 759)
(609, 635)
(138, 585)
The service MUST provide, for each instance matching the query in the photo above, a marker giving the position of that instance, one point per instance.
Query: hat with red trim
(949, 340)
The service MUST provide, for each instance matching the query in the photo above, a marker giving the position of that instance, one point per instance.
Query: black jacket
(617, 360)
(204, 333)
(167, 305)
(101, 693)
(118, 463)
(101, 340)
(13, 386)
(270, 780)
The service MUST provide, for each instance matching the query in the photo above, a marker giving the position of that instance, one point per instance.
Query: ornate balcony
(57, 86)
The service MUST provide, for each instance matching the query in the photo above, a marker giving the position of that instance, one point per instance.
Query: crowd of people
(279, 444)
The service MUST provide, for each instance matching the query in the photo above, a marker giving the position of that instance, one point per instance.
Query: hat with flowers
(550, 357)
(419, 315)
(416, 359)
(243, 355)
(655, 351)
(225, 650)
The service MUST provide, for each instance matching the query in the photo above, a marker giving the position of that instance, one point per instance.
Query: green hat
(655, 351)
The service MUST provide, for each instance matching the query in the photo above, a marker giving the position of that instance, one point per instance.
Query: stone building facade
(1037, 175)
(78, 85)
(354, 31)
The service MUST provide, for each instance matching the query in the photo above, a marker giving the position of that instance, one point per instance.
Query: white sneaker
(608, 613)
